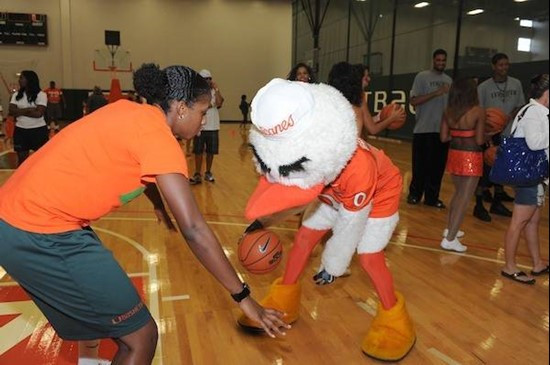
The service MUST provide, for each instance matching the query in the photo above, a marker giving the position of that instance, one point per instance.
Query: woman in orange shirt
(90, 168)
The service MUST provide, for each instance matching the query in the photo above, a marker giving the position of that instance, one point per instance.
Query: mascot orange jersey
(370, 176)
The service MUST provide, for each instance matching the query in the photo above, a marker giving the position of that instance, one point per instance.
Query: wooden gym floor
(464, 311)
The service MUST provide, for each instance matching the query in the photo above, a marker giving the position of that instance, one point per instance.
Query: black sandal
(516, 277)
(544, 271)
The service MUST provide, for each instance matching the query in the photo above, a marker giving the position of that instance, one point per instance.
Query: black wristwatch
(242, 295)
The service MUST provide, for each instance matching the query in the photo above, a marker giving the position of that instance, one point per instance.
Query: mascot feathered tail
(306, 149)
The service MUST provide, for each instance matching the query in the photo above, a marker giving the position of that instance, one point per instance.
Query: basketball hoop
(112, 58)
(118, 62)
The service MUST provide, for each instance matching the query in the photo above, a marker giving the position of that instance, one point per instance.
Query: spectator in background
(54, 109)
(244, 107)
(429, 155)
(530, 123)
(351, 81)
(505, 93)
(96, 100)
(463, 125)
(28, 106)
(366, 123)
(301, 72)
(208, 140)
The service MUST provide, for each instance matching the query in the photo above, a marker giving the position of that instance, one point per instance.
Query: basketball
(490, 155)
(386, 112)
(496, 120)
(260, 251)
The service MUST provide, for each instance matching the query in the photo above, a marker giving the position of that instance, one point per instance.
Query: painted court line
(154, 305)
(214, 223)
(132, 275)
(3, 153)
(367, 308)
(441, 356)
(430, 249)
(138, 274)
(176, 297)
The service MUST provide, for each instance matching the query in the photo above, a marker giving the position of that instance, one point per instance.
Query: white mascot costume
(306, 149)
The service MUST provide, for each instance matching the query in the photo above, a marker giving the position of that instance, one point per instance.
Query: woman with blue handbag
(531, 123)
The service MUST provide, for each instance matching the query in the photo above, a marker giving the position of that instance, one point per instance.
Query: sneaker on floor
(196, 179)
(453, 245)
(209, 177)
(437, 204)
(499, 209)
(504, 197)
(482, 214)
(459, 234)
(412, 200)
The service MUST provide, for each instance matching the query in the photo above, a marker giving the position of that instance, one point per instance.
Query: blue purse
(516, 164)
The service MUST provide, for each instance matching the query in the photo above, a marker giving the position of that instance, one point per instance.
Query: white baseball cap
(282, 109)
(205, 73)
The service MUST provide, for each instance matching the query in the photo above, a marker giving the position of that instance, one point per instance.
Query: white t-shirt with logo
(28, 122)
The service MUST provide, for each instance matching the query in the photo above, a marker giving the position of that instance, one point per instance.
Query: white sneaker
(453, 245)
(459, 234)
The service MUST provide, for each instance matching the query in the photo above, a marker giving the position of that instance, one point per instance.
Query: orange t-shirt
(54, 95)
(369, 176)
(90, 168)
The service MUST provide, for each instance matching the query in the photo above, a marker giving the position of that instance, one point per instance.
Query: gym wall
(244, 43)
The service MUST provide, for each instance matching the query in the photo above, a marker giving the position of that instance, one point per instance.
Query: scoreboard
(23, 29)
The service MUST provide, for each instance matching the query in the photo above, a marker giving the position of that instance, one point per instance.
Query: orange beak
(269, 198)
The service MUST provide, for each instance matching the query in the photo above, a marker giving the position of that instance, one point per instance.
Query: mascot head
(303, 137)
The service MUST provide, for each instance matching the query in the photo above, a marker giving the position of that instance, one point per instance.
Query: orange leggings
(374, 264)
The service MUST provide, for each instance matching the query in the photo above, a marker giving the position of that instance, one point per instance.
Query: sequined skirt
(465, 163)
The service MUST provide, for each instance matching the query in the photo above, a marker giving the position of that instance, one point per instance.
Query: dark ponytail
(346, 78)
(161, 87)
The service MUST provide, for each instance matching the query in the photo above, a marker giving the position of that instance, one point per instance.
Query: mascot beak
(269, 198)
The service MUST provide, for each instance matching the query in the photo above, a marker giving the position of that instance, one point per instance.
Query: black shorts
(53, 111)
(25, 140)
(207, 142)
(75, 281)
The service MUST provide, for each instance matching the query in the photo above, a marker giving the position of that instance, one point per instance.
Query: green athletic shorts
(75, 281)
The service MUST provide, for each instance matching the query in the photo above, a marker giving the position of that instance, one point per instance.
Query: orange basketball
(386, 112)
(260, 251)
(496, 120)
(490, 155)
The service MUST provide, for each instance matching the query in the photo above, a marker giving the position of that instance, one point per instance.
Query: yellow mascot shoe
(391, 335)
(285, 298)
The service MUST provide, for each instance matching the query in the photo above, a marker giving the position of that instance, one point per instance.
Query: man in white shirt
(208, 140)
